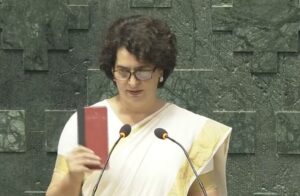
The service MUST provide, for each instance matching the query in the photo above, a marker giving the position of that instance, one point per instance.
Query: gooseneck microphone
(124, 132)
(163, 134)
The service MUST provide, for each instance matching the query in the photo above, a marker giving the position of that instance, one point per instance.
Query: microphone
(163, 134)
(124, 132)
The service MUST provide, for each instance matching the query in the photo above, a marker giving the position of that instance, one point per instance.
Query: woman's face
(132, 89)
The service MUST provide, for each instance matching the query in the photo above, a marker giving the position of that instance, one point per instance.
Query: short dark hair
(149, 39)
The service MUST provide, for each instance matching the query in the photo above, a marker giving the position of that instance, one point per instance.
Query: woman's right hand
(78, 161)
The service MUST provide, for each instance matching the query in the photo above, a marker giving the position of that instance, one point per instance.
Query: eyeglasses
(140, 74)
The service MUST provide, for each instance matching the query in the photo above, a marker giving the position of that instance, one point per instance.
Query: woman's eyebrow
(120, 66)
(140, 67)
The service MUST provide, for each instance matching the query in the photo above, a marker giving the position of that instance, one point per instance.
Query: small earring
(161, 79)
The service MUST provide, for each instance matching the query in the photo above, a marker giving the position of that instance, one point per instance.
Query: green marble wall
(238, 63)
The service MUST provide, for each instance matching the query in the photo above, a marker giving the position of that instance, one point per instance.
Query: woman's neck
(146, 107)
(134, 112)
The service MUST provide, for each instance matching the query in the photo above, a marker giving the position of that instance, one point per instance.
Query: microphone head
(125, 130)
(161, 133)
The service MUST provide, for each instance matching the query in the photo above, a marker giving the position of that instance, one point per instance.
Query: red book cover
(96, 131)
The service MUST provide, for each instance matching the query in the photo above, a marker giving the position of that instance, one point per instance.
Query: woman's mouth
(134, 92)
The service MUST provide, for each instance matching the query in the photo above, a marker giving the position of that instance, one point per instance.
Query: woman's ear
(112, 73)
(161, 78)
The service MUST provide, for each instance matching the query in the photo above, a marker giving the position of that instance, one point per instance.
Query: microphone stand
(191, 164)
(105, 165)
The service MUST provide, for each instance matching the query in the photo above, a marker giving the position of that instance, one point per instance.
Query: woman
(139, 54)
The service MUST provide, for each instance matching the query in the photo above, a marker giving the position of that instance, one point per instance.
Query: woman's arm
(69, 172)
(210, 192)
(209, 183)
(63, 186)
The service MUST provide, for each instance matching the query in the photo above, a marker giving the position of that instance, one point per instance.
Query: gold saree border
(61, 166)
(205, 145)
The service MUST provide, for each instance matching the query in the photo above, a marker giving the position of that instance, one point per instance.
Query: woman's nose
(132, 81)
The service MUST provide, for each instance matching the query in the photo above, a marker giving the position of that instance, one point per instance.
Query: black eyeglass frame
(134, 74)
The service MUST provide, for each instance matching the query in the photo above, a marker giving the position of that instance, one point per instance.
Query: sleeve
(220, 159)
(215, 179)
(67, 142)
(68, 138)
(208, 154)
(211, 147)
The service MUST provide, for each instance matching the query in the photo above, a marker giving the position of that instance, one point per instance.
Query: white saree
(143, 165)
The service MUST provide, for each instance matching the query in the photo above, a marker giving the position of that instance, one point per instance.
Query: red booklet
(96, 132)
